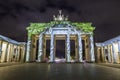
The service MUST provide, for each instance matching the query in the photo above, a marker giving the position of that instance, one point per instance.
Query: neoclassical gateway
(43, 39)
(60, 29)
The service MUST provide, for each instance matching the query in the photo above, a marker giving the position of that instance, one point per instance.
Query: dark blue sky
(15, 15)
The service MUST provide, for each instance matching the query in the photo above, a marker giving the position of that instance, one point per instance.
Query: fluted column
(28, 50)
(18, 56)
(119, 50)
(80, 48)
(8, 53)
(103, 56)
(0, 49)
(98, 54)
(119, 46)
(44, 48)
(104, 53)
(52, 48)
(15, 53)
(4, 52)
(68, 47)
(109, 57)
(40, 48)
(114, 54)
(22, 52)
(76, 49)
(92, 49)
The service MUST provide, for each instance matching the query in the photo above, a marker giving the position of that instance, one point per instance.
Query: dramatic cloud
(15, 15)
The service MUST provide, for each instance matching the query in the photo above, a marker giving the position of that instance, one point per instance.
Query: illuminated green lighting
(36, 28)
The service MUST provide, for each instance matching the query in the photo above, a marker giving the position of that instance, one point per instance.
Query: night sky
(15, 15)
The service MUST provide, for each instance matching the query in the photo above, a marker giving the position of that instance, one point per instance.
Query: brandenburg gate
(60, 29)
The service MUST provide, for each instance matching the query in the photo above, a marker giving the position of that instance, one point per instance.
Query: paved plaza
(61, 71)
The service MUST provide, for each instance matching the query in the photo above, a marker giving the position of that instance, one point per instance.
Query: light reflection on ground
(60, 60)
(61, 71)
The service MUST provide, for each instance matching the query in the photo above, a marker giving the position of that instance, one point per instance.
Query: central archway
(60, 48)
(60, 51)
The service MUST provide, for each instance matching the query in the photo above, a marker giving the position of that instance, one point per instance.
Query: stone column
(104, 53)
(92, 55)
(109, 57)
(0, 47)
(114, 54)
(12, 53)
(52, 48)
(15, 53)
(86, 49)
(68, 47)
(103, 56)
(28, 50)
(44, 48)
(4, 52)
(0, 50)
(19, 54)
(111, 54)
(98, 54)
(119, 46)
(8, 53)
(40, 50)
(119, 50)
(80, 47)
(76, 48)
(22, 52)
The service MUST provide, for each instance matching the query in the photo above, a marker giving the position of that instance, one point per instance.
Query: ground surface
(61, 71)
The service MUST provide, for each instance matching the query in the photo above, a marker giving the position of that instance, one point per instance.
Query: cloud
(17, 14)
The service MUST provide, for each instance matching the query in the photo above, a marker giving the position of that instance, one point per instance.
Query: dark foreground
(62, 71)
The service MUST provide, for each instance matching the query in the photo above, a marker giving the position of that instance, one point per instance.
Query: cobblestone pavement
(61, 71)
(110, 65)
(9, 64)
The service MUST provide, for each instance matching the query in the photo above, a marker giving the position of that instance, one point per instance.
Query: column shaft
(119, 46)
(104, 53)
(92, 49)
(52, 48)
(40, 50)
(98, 54)
(19, 55)
(44, 48)
(119, 50)
(76, 49)
(109, 57)
(28, 50)
(111, 54)
(68, 47)
(4, 52)
(80, 48)
(12, 52)
(8, 53)
(0, 49)
(114, 54)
